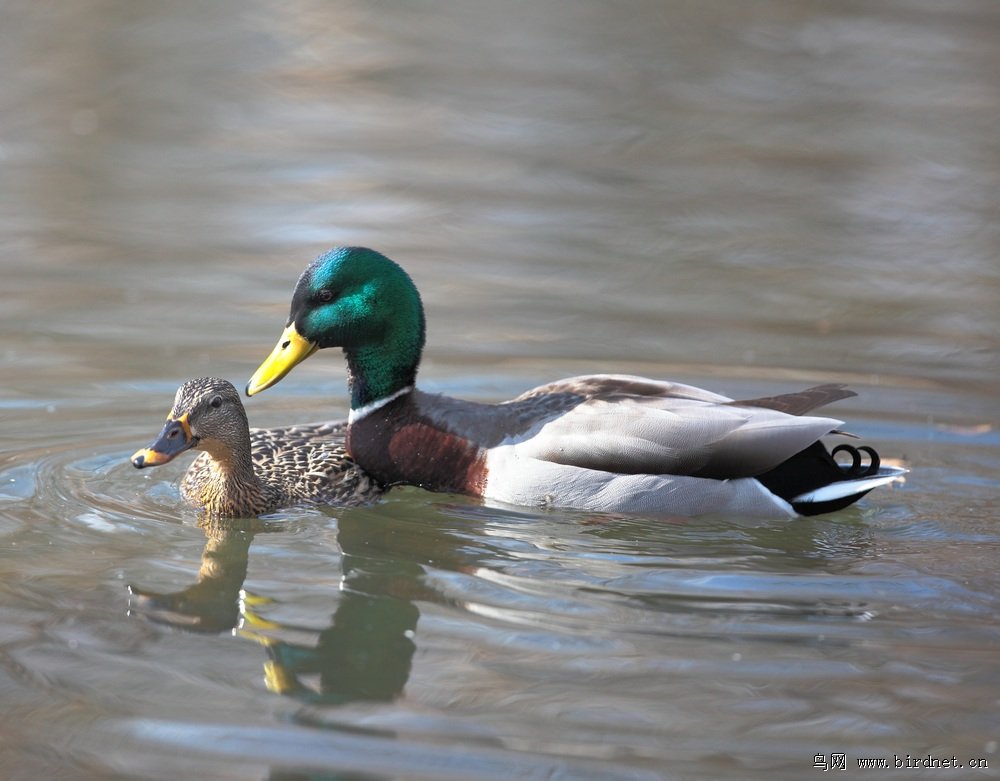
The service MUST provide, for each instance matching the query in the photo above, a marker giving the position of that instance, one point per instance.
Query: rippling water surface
(749, 196)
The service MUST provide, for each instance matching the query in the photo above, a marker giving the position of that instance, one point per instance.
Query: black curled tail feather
(856, 469)
(815, 467)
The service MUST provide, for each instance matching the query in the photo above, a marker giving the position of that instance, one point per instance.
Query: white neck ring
(356, 414)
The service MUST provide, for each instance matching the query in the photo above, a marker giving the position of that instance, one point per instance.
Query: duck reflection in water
(365, 653)
(243, 472)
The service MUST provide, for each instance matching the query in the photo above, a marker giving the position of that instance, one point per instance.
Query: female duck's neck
(376, 374)
(234, 489)
(234, 469)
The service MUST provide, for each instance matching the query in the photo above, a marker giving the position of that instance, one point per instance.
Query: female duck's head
(357, 299)
(207, 415)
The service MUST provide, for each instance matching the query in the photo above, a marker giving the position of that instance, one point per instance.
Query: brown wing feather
(800, 402)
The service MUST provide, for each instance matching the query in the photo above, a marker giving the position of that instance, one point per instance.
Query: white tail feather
(839, 490)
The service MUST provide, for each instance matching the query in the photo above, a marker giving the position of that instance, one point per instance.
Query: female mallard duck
(243, 472)
(603, 442)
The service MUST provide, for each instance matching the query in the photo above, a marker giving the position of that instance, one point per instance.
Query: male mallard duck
(603, 442)
(244, 472)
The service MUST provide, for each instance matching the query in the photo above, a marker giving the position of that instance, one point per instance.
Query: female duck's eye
(216, 402)
(325, 295)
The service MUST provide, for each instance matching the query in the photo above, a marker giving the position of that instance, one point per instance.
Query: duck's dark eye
(325, 295)
(216, 402)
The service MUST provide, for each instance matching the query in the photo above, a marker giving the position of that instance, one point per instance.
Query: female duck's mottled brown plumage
(244, 472)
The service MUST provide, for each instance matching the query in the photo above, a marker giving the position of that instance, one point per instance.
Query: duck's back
(309, 462)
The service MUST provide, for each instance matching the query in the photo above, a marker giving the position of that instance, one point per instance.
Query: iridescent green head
(357, 299)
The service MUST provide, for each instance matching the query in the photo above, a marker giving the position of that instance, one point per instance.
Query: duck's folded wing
(684, 437)
(617, 387)
(490, 425)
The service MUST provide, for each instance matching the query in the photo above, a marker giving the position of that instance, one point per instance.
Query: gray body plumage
(619, 443)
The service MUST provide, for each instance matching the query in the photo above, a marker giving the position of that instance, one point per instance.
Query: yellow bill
(290, 350)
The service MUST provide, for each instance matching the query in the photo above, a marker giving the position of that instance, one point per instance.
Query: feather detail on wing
(689, 438)
(491, 424)
(310, 462)
(801, 402)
